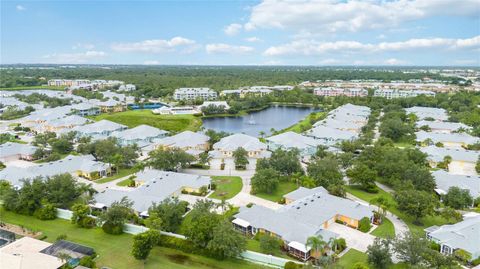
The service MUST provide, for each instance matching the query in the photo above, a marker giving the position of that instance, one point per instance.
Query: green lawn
(121, 173)
(227, 187)
(426, 221)
(385, 230)
(124, 183)
(305, 124)
(350, 258)
(114, 250)
(254, 245)
(282, 189)
(171, 123)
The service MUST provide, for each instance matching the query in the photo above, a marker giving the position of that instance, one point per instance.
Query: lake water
(277, 117)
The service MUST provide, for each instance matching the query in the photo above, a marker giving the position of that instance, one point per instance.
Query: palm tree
(317, 244)
(262, 134)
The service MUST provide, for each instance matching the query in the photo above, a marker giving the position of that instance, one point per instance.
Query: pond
(277, 117)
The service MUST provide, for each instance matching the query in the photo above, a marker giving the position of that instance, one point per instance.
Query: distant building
(111, 105)
(246, 92)
(214, 103)
(422, 113)
(127, 88)
(443, 126)
(176, 110)
(192, 143)
(100, 129)
(194, 93)
(453, 140)
(394, 93)
(291, 140)
(142, 135)
(331, 92)
(86, 109)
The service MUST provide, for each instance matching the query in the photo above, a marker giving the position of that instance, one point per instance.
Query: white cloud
(312, 47)
(86, 46)
(393, 61)
(151, 62)
(334, 15)
(232, 29)
(20, 8)
(253, 39)
(226, 48)
(153, 45)
(81, 57)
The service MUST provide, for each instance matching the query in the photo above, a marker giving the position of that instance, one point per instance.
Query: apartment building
(395, 93)
(194, 93)
(332, 91)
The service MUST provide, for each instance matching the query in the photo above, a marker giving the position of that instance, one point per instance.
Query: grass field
(171, 123)
(114, 250)
(350, 258)
(120, 174)
(282, 189)
(227, 187)
(305, 124)
(254, 245)
(385, 230)
(426, 221)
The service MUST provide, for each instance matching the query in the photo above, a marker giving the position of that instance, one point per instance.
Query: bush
(87, 261)
(339, 222)
(268, 244)
(364, 225)
(476, 262)
(112, 229)
(87, 222)
(341, 244)
(360, 265)
(249, 205)
(213, 186)
(290, 265)
(61, 237)
(46, 212)
(434, 246)
(371, 189)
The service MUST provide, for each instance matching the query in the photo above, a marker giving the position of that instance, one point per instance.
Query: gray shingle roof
(444, 181)
(140, 132)
(443, 137)
(458, 154)
(11, 148)
(183, 140)
(235, 141)
(293, 140)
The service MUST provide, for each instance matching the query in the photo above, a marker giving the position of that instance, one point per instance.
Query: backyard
(114, 250)
(385, 230)
(283, 188)
(306, 123)
(227, 187)
(121, 173)
(171, 123)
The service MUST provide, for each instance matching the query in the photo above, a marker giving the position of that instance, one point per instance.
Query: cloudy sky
(316, 32)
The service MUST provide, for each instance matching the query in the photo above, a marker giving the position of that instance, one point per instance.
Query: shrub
(61, 237)
(434, 246)
(87, 222)
(249, 205)
(282, 201)
(112, 229)
(290, 265)
(341, 244)
(360, 265)
(87, 261)
(371, 189)
(269, 244)
(476, 262)
(213, 186)
(364, 225)
(46, 212)
(339, 221)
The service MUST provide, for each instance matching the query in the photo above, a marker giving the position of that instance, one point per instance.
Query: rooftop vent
(298, 207)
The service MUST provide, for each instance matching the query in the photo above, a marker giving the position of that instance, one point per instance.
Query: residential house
(176, 110)
(27, 253)
(291, 140)
(422, 113)
(227, 145)
(86, 109)
(100, 129)
(246, 92)
(64, 124)
(448, 140)
(309, 214)
(463, 235)
(331, 136)
(127, 88)
(142, 135)
(155, 187)
(11, 151)
(445, 181)
(223, 104)
(192, 143)
(462, 161)
(111, 105)
(443, 126)
(82, 166)
(194, 93)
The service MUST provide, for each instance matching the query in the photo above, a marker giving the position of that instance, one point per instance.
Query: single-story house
(448, 140)
(86, 109)
(462, 161)
(63, 124)
(192, 143)
(291, 140)
(111, 106)
(445, 181)
(83, 166)
(142, 135)
(331, 136)
(99, 129)
(26, 253)
(422, 113)
(155, 187)
(341, 125)
(227, 145)
(443, 126)
(463, 235)
(308, 214)
(11, 151)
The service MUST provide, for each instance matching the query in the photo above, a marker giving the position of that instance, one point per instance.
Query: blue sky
(316, 32)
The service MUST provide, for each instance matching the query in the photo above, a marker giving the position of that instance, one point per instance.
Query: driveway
(355, 239)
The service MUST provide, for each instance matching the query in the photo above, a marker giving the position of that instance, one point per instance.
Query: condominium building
(194, 93)
(394, 93)
(332, 91)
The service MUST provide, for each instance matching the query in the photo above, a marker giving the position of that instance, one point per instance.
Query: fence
(255, 257)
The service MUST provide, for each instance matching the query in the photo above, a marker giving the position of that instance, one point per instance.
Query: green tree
(457, 198)
(268, 244)
(201, 223)
(265, 181)
(325, 172)
(379, 255)
(226, 242)
(411, 248)
(80, 216)
(317, 244)
(115, 216)
(170, 211)
(286, 162)
(240, 158)
(170, 159)
(143, 243)
(416, 203)
(364, 176)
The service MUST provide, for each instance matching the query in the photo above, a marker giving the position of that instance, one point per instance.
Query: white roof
(235, 141)
(140, 132)
(241, 222)
(299, 246)
(24, 253)
(184, 139)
